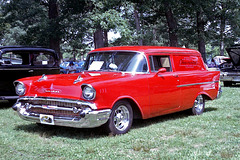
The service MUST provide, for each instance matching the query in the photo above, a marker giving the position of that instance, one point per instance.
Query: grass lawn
(213, 135)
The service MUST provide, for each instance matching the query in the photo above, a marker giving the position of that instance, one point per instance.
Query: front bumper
(9, 97)
(63, 113)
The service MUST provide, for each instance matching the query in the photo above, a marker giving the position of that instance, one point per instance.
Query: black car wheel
(120, 120)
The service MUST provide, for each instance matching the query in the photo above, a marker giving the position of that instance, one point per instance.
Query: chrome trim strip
(78, 102)
(16, 82)
(8, 97)
(194, 84)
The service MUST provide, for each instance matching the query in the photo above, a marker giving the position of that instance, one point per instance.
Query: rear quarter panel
(195, 83)
(195, 79)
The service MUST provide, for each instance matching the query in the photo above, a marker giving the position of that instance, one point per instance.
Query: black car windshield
(116, 61)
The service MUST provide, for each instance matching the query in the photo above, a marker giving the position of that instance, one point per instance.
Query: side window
(158, 62)
(10, 58)
(44, 59)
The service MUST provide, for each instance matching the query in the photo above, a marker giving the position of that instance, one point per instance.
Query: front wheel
(120, 120)
(199, 105)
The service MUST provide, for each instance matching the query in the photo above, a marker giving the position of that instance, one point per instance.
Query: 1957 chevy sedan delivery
(119, 84)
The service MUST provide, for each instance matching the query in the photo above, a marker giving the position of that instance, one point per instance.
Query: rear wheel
(120, 120)
(199, 105)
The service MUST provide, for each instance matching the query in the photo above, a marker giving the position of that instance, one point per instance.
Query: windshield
(116, 61)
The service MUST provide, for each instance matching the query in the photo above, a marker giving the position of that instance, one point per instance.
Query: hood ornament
(44, 77)
(79, 79)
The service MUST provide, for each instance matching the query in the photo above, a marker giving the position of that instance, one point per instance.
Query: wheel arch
(205, 95)
(137, 113)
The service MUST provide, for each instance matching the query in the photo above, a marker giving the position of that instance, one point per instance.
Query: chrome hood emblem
(79, 79)
(52, 90)
(44, 77)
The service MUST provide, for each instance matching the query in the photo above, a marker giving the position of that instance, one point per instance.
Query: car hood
(68, 85)
(234, 54)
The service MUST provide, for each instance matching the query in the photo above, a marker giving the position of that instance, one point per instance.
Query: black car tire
(120, 120)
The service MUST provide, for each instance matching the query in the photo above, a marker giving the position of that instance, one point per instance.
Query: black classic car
(21, 61)
(230, 71)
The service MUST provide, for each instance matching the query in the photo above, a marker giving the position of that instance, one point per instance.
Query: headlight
(20, 89)
(88, 92)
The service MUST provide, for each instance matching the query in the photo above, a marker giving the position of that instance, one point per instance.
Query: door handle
(175, 75)
(30, 71)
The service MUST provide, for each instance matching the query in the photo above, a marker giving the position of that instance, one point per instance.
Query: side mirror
(162, 70)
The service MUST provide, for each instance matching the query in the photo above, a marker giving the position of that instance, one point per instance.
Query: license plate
(46, 119)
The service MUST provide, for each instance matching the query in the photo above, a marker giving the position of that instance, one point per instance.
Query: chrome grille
(56, 107)
(52, 103)
(53, 112)
(69, 103)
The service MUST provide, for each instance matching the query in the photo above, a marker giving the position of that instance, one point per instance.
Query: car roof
(150, 49)
(24, 48)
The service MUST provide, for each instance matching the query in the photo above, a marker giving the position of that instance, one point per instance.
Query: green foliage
(213, 135)
(3, 26)
(27, 22)
(107, 17)
(227, 10)
(12, 35)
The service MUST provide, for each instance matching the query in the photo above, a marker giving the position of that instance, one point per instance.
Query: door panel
(164, 93)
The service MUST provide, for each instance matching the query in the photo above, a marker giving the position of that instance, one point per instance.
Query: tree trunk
(137, 21)
(201, 36)
(74, 52)
(54, 38)
(98, 39)
(222, 29)
(154, 32)
(105, 38)
(172, 25)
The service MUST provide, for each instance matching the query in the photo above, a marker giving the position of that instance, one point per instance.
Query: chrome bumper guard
(75, 114)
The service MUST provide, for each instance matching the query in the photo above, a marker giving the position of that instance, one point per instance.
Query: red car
(119, 84)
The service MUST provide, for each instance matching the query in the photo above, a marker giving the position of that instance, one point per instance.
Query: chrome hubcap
(121, 118)
(199, 103)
